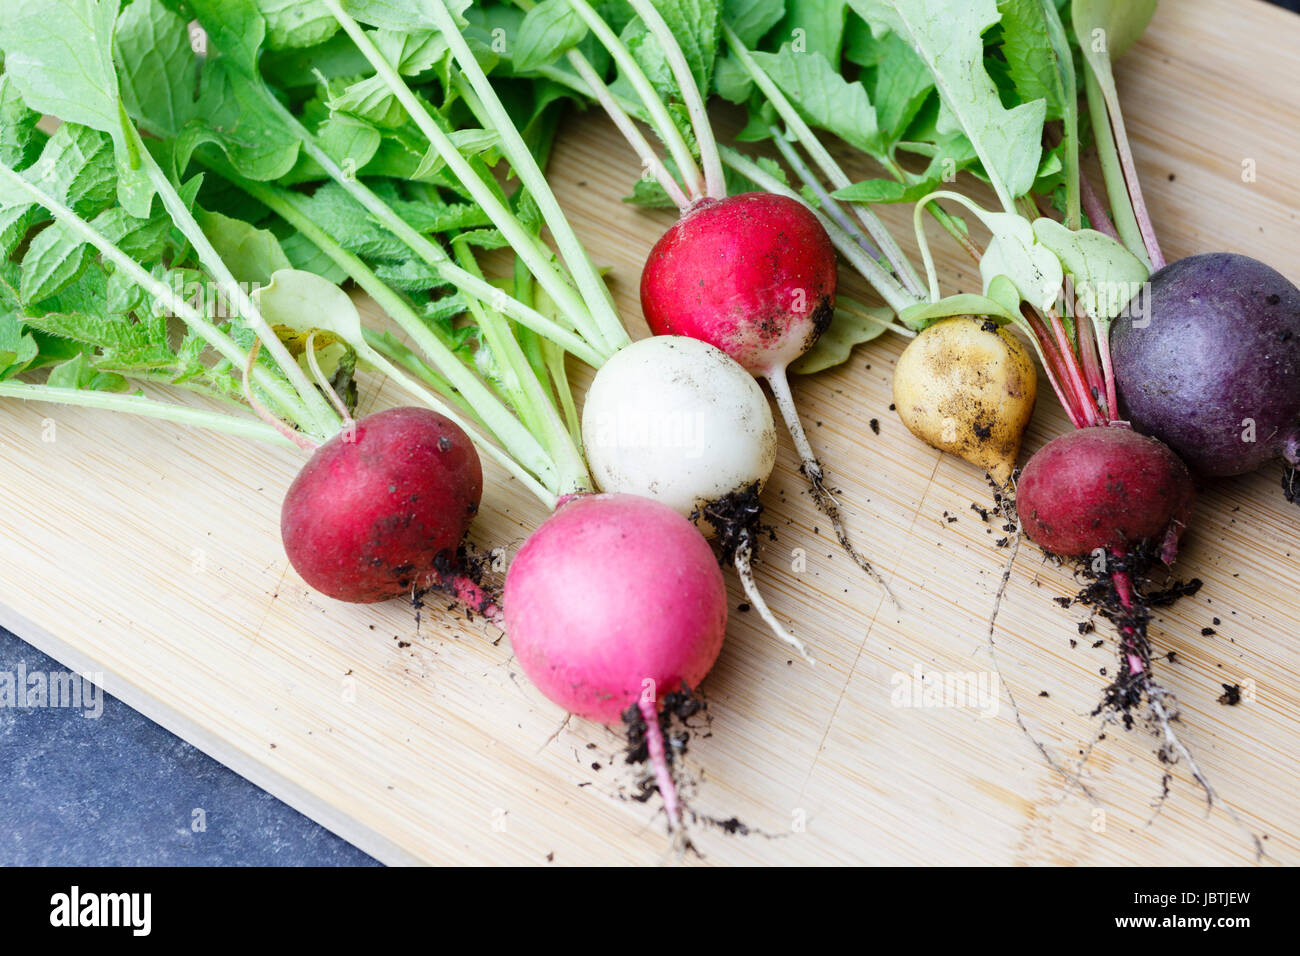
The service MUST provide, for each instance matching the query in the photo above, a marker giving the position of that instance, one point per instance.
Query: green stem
(319, 416)
(532, 401)
(524, 243)
(599, 302)
(1112, 171)
(500, 423)
(656, 112)
(393, 350)
(222, 343)
(148, 408)
(627, 126)
(715, 182)
(824, 161)
(436, 257)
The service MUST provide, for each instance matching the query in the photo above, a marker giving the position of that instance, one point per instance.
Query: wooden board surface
(151, 554)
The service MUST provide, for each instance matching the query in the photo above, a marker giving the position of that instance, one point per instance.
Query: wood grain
(151, 554)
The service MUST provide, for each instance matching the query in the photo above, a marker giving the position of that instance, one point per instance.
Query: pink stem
(1088, 356)
(262, 412)
(1051, 364)
(1086, 405)
(1096, 210)
(472, 596)
(1124, 588)
(654, 739)
(1108, 371)
(1145, 225)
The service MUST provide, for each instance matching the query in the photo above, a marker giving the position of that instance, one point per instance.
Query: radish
(679, 421)
(382, 507)
(1207, 358)
(968, 386)
(614, 602)
(1211, 365)
(1105, 489)
(752, 274)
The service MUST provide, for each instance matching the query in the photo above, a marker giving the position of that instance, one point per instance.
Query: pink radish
(615, 602)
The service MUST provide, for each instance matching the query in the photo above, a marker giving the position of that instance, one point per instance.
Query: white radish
(678, 420)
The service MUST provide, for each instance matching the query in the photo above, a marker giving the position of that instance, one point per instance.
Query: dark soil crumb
(1231, 695)
(738, 519)
(742, 607)
(875, 426)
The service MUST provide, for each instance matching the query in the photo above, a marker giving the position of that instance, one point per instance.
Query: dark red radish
(753, 275)
(382, 507)
(1105, 488)
(1211, 364)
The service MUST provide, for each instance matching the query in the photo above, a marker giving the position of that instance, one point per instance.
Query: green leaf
(751, 19)
(1031, 59)
(303, 301)
(1016, 253)
(53, 260)
(58, 52)
(17, 125)
(1110, 27)
(1106, 275)
(814, 28)
(850, 327)
(157, 66)
(305, 255)
(823, 97)
(899, 86)
(697, 26)
(731, 80)
(234, 116)
(77, 168)
(235, 30)
(874, 191)
(18, 349)
(79, 373)
(401, 14)
(251, 254)
(296, 23)
(927, 313)
(550, 30)
(948, 36)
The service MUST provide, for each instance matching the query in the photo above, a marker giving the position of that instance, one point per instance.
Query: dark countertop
(118, 790)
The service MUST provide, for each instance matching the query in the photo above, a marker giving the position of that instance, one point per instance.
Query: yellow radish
(967, 386)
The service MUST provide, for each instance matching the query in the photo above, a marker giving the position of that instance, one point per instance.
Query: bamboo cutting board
(151, 554)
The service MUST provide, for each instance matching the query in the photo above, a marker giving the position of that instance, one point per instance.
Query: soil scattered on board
(683, 715)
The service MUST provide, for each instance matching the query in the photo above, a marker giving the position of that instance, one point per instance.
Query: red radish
(381, 508)
(614, 603)
(1105, 488)
(753, 275)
